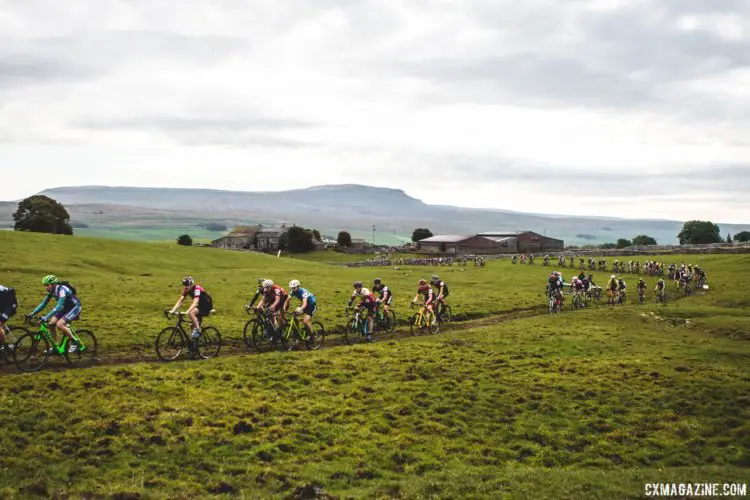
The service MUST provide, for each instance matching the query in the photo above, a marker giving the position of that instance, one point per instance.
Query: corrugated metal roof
(501, 234)
(499, 239)
(446, 238)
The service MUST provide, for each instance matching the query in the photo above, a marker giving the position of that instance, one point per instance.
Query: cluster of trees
(42, 214)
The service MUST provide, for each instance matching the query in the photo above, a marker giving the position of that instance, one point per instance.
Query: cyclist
(8, 306)
(258, 293)
(554, 286)
(659, 288)
(67, 309)
(309, 305)
(199, 307)
(386, 296)
(368, 302)
(274, 297)
(641, 287)
(429, 298)
(621, 286)
(441, 289)
(612, 287)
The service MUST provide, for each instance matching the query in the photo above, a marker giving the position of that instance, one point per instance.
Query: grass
(591, 404)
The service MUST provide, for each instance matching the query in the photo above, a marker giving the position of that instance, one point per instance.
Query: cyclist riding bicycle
(386, 296)
(441, 289)
(659, 288)
(199, 307)
(554, 286)
(8, 306)
(67, 309)
(424, 289)
(308, 307)
(367, 302)
(641, 287)
(274, 298)
(612, 288)
(621, 286)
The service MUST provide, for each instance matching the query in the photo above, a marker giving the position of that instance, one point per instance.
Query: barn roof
(446, 238)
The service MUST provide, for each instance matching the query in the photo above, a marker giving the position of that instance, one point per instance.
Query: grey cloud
(20, 69)
(171, 124)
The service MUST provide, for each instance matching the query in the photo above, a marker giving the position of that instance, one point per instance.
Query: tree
(608, 246)
(729, 238)
(185, 240)
(344, 239)
(643, 240)
(742, 236)
(316, 235)
(420, 234)
(299, 240)
(622, 243)
(41, 214)
(699, 232)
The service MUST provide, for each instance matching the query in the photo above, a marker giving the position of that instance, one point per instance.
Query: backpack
(208, 301)
(72, 288)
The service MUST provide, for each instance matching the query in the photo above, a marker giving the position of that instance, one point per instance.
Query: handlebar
(33, 320)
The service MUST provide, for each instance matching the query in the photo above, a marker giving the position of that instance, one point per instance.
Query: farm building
(529, 241)
(242, 237)
(466, 244)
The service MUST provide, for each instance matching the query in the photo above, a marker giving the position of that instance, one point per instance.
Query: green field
(508, 402)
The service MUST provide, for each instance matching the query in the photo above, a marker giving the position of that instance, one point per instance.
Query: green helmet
(50, 279)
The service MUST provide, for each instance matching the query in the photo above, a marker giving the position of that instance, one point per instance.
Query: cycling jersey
(8, 303)
(438, 285)
(612, 285)
(269, 296)
(68, 306)
(205, 303)
(385, 293)
(302, 294)
(428, 295)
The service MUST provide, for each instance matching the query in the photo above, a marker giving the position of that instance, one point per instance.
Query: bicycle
(641, 296)
(294, 334)
(622, 297)
(661, 296)
(357, 326)
(386, 322)
(6, 349)
(172, 340)
(555, 304)
(424, 321)
(32, 350)
(577, 302)
(443, 312)
(260, 332)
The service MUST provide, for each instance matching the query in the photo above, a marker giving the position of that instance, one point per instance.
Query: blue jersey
(302, 294)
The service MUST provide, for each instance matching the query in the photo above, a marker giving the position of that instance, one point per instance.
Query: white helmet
(294, 284)
(267, 283)
(613, 277)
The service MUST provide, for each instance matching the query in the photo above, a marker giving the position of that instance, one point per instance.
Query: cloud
(453, 101)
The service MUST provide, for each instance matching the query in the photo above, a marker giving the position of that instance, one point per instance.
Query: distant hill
(331, 208)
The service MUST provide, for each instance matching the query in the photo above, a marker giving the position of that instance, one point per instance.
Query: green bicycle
(32, 350)
(294, 333)
(424, 321)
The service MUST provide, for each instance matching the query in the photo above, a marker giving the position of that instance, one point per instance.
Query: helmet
(267, 283)
(376, 281)
(357, 284)
(294, 284)
(612, 277)
(641, 279)
(422, 282)
(187, 281)
(50, 279)
(435, 277)
(261, 280)
(661, 280)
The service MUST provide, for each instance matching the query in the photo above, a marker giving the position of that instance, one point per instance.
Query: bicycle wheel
(261, 336)
(318, 337)
(414, 327)
(445, 314)
(31, 352)
(390, 321)
(170, 343)
(290, 339)
(551, 305)
(434, 324)
(351, 332)
(85, 353)
(11, 339)
(208, 344)
(247, 332)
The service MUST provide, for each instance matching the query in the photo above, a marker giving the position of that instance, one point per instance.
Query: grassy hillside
(587, 404)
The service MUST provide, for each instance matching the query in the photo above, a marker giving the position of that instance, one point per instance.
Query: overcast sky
(601, 107)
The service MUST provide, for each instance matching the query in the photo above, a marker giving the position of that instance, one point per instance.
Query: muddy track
(237, 348)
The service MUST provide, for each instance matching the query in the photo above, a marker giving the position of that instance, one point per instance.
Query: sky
(617, 108)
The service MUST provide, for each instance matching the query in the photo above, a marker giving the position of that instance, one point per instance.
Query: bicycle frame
(60, 348)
